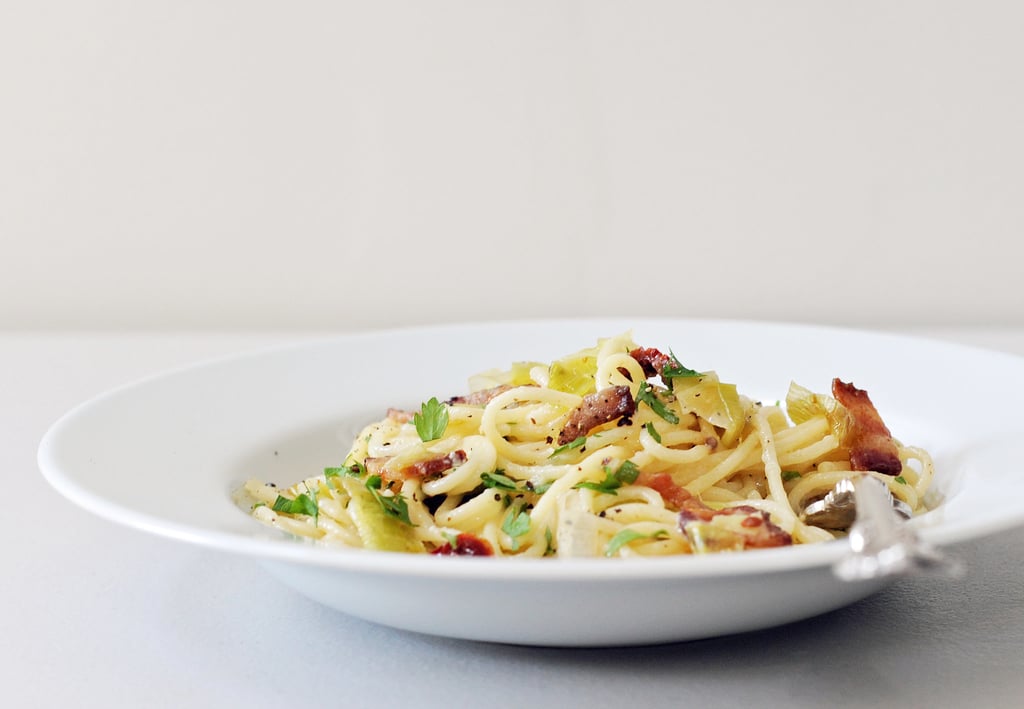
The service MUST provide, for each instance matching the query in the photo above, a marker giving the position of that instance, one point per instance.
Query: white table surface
(93, 614)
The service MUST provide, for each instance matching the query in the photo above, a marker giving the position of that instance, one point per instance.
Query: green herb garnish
(356, 470)
(788, 475)
(630, 535)
(393, 505)
(651, 430)
(676, 369)
(516, 524)
(900, 479)
(304, 504)
(498, 480)
(578, 443)
(431, 421)
(647, 395)
(625, 475)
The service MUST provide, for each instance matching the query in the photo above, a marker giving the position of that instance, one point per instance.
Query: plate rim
(281, 548)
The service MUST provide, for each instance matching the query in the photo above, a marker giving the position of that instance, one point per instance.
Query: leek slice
(716, 402)
(803, 404)
(708, 538)
(574, 374)
(517, 376)
(377, 529)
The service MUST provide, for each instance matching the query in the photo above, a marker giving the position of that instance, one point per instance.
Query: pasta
(616, 450)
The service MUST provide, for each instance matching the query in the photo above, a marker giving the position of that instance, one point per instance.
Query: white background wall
(336, 164)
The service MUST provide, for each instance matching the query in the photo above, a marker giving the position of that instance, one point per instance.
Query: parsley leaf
(549, 549)
(516, 524)
(654, 433)
(900, 479)
(578, 443)
(788, 475)
(498, 480)
(431, 420)
(304, 504)
(630, 535)
(539, 489)
(355, 470)
(649, 396)
(676, 369)
(625, 475)
(393, 505)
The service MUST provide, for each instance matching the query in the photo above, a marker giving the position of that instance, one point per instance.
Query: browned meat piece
(480, 398)
(597, 408)
(871, 444)
(429, 468)
(651, 359)
(673, 495)
(400, 415)
(754, 531)
(466, 544)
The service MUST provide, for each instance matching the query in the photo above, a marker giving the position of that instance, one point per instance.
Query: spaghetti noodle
(616, 450)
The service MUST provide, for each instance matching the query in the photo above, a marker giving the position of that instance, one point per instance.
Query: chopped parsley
(676, 369)
(788, 475)
(516, 524)
(630, 535)
(625, 475)
(578, 443)
(647, 395)
(549, 549)
(304, 504)
(356, 470)
(653, 431)
(393, 505)
(431, 420)
(498, 480)
(900, 479)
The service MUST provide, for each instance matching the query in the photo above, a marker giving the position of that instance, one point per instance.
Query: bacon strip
(673, 495)
(871, 444)
(651, 360)
(400, 415)
(756, 531)
(480, 398)
(466, 544)
(431, 467)
(595, 409)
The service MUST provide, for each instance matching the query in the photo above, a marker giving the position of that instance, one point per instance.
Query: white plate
(165, 454)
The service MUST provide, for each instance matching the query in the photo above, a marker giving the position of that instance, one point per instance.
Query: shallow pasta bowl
(165, 454)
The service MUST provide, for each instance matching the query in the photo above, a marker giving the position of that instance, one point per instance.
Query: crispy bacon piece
(754, 531)
(673, 495)
(871, 444)
(420, 469)
(480, 398)
(465, 545)
(651, 359)
(400, 415)
(595, 409)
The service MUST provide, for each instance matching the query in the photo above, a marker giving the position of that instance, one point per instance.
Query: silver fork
(881, 543)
